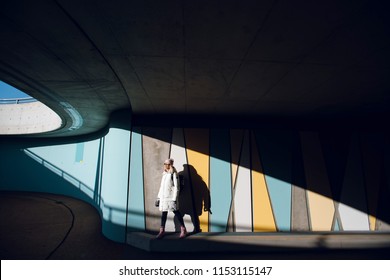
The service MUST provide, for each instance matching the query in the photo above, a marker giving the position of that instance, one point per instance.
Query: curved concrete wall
(27, 118)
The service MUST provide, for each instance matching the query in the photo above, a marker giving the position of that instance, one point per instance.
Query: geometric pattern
(268, 181)
(235, 180)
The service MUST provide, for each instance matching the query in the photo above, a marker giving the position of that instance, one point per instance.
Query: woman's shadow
(194, 196)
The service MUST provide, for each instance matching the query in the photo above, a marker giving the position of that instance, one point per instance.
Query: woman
(167, 198)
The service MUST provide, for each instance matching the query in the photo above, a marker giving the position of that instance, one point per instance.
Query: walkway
(45, 226)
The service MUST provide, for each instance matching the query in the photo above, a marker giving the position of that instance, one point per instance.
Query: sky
(7, 91)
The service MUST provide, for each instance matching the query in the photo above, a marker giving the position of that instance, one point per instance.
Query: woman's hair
(171, 169)
(169, 161)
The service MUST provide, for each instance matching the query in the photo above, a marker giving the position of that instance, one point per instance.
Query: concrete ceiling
(250, 58)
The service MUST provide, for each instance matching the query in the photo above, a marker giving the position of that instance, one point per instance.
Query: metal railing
(17, 100)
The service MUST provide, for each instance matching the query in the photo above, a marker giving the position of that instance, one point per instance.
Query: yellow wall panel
(263, 218)
(320, 208)
(372, 220)
(197, 144)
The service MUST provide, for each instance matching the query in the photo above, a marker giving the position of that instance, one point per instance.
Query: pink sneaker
(161, 233)
(183, 232)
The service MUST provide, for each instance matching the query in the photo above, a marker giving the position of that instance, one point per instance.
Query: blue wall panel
(280, 194)
(136, 208)
(220, 179)
(114, 183)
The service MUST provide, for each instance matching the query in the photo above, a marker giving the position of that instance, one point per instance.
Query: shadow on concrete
(38, 226)
(194, 198)
(320, 246)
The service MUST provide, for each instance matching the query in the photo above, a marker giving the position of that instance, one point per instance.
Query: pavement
(41, 226)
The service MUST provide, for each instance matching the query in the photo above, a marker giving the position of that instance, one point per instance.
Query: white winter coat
(169, 192)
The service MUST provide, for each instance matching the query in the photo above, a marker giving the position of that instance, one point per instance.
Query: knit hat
(168, 161)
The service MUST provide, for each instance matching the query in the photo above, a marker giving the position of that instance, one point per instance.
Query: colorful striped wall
(235, 180)
(271, 180)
